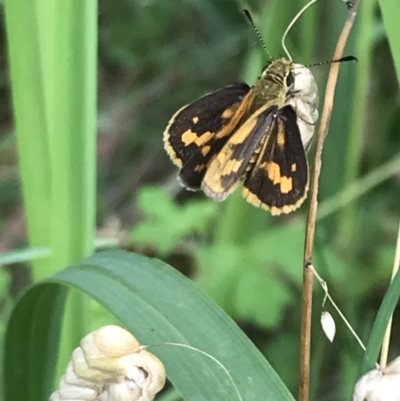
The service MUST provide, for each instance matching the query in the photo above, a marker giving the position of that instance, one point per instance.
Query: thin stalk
(312, 213)
(386, 339)
(339, 312)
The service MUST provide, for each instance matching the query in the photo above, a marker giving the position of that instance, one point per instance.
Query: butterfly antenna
(250, 18)
(292, 23)
(340, 60)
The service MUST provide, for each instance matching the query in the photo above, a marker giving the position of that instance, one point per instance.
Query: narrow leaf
(157, 304)
(378, 330)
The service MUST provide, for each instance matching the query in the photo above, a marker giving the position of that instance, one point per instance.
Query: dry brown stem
(312, 213)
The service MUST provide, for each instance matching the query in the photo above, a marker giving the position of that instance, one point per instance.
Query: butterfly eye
(289, 80)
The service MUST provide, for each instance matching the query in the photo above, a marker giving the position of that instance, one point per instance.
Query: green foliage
(383, 316)
(243, 283)
(390, 9)
(154, 57)
(243, 277)
(6, 305)
(158, 305)
(53, 71)
(167, 223)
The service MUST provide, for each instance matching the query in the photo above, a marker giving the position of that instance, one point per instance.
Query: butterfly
(256, 135)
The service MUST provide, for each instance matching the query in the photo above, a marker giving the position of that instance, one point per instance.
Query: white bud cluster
(110, 365)
(379, 384)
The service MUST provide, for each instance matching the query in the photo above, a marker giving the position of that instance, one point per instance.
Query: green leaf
(257, 288)
(54, 106)
(167, 222)
(31, 344)
(378, 330)
(390, 12)
(157, 304)
(242, 279)
(245, 277)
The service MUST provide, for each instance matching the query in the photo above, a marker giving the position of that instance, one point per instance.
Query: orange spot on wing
(274, 174)
(228, 113)
(286, 184)
(205, 150)
(189, 137)
(281, 139)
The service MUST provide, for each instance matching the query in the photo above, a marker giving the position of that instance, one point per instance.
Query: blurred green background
(154, 57)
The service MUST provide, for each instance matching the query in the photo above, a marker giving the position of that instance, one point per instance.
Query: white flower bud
(328, 325)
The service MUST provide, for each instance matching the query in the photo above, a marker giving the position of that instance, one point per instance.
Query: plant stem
(305, 344)
(386, 339)
(305, 340)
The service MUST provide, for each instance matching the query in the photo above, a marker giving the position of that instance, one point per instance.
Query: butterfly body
(250, 134)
